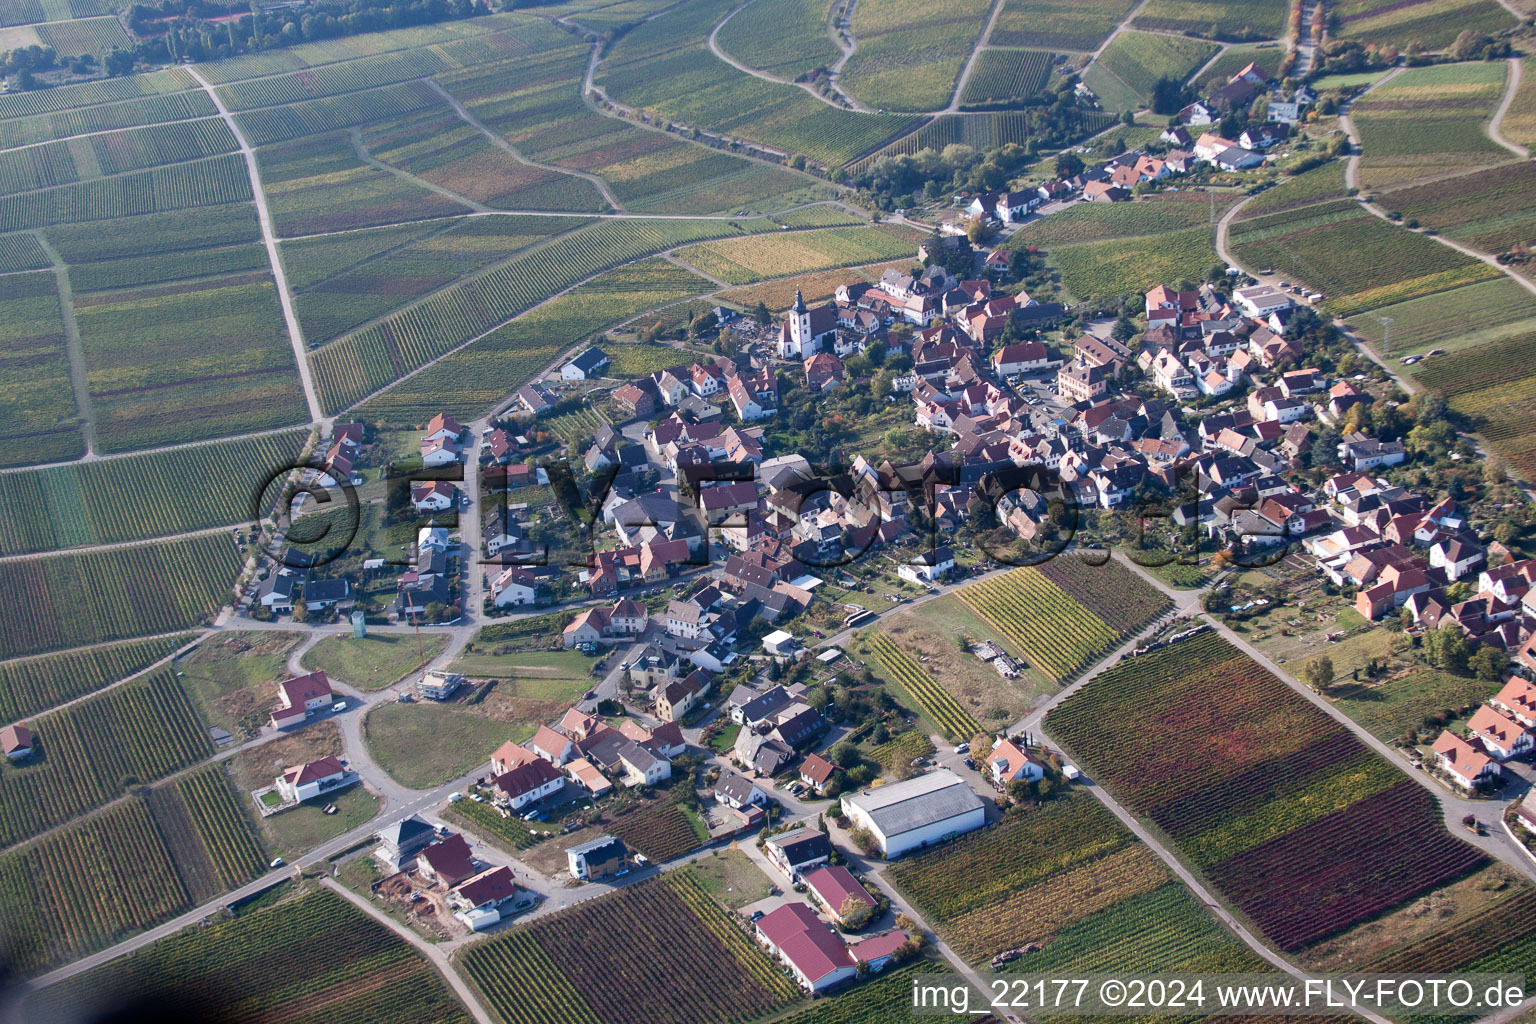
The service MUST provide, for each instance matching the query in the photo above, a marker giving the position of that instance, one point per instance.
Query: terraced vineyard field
(932, 699)
(1218, 19)
(33, 685)
(553, 971)
(1479, 384)
(315, 947)
(1493, 211)
(92, 751)
(783, 37)
(84, 887)
(1282, 808)
(1427, 24)
(218, 826)
(1054, 630)
(1133, 63)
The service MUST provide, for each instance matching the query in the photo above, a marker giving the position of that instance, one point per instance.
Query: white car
(340, 705)
(964, 748)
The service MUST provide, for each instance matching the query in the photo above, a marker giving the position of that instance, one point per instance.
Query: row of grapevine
(222, 825)
(89, 94)
(33, 685)
(1040, 619)
(328, 79)
(201, 183)
(106, 502)
(85, 887)
(162, 144)
(935, 702)
(92, 751)
(267, 125)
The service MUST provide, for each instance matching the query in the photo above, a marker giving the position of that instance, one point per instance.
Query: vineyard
(1119, 596)
(187, 362)
(92, 751)
(89, 94)
(1499, 940)
(899, 751)
(1125, 74)
(1007, 76)
(1428, 121)
(84, 887)
(156, 233)
(34, 685)
(21, 252)
(220, 179)
(347, 280)
(37, 396)
(783, 37)
(134, 591)
(281, 124)
(1041, 620)
(1285, 810)
(221, 825)
(932, 699)
(361, 363)
(1311, 245)
(104, 502)
(1315, 186)
(1478, 384)
(744, 260)
(1059, 24)
(96, 36)
(661, 829)
(982, 131)
(1089, 894)
(1431, 24)
(1488, 210)
(1220, 19)
(510, 833)
(657, 952)
(311, 956)
(165, 267)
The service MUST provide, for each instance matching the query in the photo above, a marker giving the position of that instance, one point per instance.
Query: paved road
(1496, 122)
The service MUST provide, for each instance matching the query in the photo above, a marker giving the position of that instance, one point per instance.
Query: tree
(1318, 673)
(855, 913)
(1124, 330)
(1069, 165)
(1493, 468)
(865, 840)
(1488, 663)
(761, 314)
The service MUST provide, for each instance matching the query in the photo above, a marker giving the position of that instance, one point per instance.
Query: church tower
(800, 324)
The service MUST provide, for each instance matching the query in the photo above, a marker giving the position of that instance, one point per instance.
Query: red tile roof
(817, 768)
(449, 858)
(14, 738)
(314, 771)
(302, 689)
(491, 886)
(805, 940)
(834, 885)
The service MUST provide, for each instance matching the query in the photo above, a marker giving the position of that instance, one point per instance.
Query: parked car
(963, 748)
(340, 705)
(757, 915)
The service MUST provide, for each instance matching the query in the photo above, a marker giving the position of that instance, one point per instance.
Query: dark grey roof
(917, 803)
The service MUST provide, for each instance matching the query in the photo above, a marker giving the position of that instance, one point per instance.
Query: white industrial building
(915, 813)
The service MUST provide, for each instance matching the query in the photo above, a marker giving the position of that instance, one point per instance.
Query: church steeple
(799, 306)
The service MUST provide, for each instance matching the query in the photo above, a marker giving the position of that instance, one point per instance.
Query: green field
(352, 368)
(425, 745)
(1217, 19)
(1494, 387)
(1058, 24)
(373, 662)
(1004, 77)
(782, 37)
(1234, 58)
(1134, 62)
(1098, 222)
(1358, 260)
(1429, 24)
(96, 36)
(101, 502)
(1428, 121)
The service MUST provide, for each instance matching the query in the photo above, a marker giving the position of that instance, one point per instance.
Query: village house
(1008, 762)
(597, 858)
(1500, 734)
(1466, 765)
(299, 697)
(309, 780)
(816, 771)
(738, 791)
(590, 363)
(797, 851)
(837, 891)
(447, 861)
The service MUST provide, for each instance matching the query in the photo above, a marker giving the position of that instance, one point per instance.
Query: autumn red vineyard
(1300, 824)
